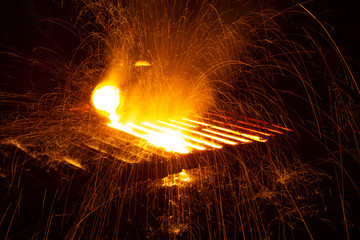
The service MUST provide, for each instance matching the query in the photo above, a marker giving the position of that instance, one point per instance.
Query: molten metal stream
(179, 136)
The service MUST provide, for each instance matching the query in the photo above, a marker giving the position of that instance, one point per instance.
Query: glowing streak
(174, 143)
(107, 99)
(254, 120)
(174, 133)
(182, 123)
(273, 125)
(170, 142)
(249, 136)
(236, 126)
(249, 124)
(283, 128)
(142, 64)
(227, 135)
(125, 128)
(254, 125)
(252, 137)
(203, 134)
(74, 162)
(214, 145)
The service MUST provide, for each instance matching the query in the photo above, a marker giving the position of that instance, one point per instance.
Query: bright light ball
(106, 97)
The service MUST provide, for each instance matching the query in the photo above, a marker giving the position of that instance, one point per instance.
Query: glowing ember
(142, 64)
(179, 136)
(180, 179)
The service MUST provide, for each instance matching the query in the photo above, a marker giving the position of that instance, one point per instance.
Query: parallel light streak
(202, 134)
(250, 136)
(178, 136)
(239, 127)
(187, 135)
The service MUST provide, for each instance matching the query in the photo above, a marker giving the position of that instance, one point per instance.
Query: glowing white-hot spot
(106, 97)
(199, 140)
(170, 142)
(178, 136)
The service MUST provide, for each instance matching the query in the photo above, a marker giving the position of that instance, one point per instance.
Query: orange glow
(170, 142)
(180, 179)
(227, 135)
(244, 128)
(255, 125)
(142, 64)
(251, 124)
(196, 132)
(210, 136)
(249, 136)
(178, 136)
(106, 98)
(273, 125)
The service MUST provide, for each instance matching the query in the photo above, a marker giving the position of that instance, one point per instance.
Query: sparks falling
(180, 119)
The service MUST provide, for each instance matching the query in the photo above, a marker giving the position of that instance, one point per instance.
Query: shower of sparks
(173, 81)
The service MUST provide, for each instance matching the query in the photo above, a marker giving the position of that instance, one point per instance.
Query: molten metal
(184, 135)
(106, 98)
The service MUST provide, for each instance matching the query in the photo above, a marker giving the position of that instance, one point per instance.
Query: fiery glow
(178, 136)
(73, 162)
(180, 179)
(249, 136)
(106, 98)
(142, 64)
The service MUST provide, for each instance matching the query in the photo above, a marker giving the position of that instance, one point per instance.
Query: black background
(22, 29)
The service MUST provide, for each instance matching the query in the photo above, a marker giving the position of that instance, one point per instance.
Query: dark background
(22, 24)
(25, 26)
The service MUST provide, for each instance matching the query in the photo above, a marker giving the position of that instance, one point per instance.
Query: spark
(171, 90)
